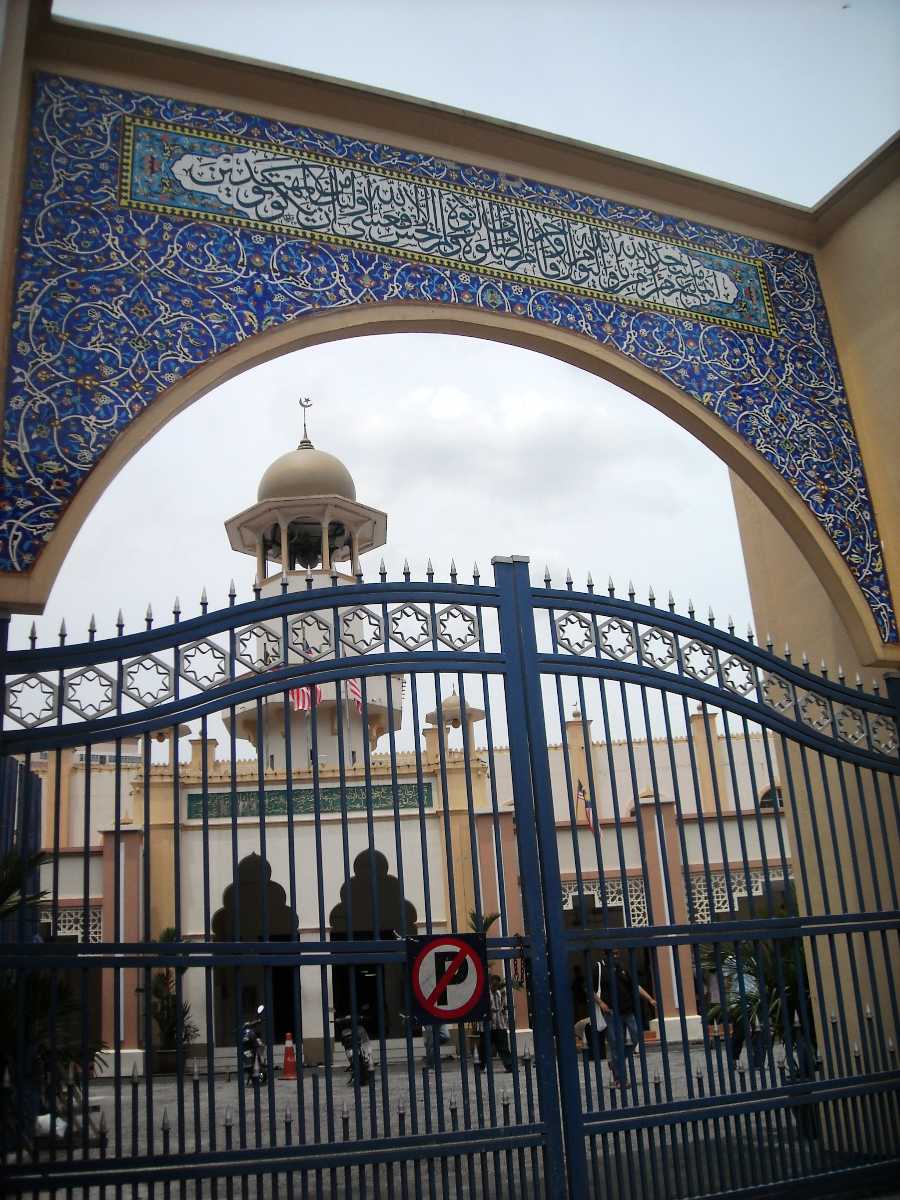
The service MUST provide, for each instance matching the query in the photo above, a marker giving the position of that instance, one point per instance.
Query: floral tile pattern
(156, 234)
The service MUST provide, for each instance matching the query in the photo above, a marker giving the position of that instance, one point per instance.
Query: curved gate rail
(737, 851)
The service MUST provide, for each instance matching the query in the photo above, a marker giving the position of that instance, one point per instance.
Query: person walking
(617, 1003)
(495, 1038)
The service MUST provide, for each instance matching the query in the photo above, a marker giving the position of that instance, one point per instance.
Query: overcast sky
(473, 448)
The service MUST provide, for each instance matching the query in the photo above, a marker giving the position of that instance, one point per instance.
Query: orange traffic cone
(289, 1070)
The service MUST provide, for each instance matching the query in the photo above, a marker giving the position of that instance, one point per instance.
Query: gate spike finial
(120, 622)
(750, 633)
(876, 687)
(631, 591)
(284, 584)
(769, 642)
(257, 588)
(823, 669)
(309, 580)
(406, 570)
(841, 676)
(804, 661)
(453, 570)
(711, 616)
(611, 587)
(229, 1115)
(62, 631)
(731, 624)
(204, 602)
(590, 583)
(569, 581)
(859, 682)
(195, 1068)
(32, 637)
(134, 1073)
(476, 574)
(148, 617)
(547, 579)
(651, 597)
(787, 651)
(382, 571)
(671, 601)
(176, 609)
(691, 609)
(165, 1121)
(429, 571)
(92, 627)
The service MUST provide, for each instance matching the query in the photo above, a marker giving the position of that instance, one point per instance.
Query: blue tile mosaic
(157, 233)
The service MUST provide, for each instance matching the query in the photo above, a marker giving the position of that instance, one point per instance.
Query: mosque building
(372, 827)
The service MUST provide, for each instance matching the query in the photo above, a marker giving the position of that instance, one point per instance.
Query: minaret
(307, 523)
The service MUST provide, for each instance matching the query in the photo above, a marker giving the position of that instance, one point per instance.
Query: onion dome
(454, 712)
(306, 471)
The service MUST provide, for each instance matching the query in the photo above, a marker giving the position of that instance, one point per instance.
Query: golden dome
(306, 471)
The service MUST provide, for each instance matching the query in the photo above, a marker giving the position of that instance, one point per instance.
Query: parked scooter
(357, 1048)
(253, 1048)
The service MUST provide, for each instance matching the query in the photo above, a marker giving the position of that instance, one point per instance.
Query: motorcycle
(357, 1048)
(253, 1049)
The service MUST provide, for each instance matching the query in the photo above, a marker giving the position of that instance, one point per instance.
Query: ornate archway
(165, 245)
(252, 907)
(372, 905)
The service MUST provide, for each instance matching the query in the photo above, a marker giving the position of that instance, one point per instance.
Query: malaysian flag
(305, 698)
(582, 799)
(354, 689)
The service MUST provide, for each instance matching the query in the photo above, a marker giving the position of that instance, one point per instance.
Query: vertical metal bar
(208, 973)
(538, 856)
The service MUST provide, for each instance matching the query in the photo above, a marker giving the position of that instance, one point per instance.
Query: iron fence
(679, 847)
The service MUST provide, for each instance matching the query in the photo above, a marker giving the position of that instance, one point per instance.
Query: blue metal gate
(679, 847)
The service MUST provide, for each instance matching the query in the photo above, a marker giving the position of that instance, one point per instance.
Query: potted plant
(173, 1021)
(39, 1013)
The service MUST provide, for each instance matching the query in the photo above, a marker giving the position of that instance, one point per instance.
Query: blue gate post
(554, 1016)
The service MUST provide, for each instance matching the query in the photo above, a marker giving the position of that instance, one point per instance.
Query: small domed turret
(306, 517)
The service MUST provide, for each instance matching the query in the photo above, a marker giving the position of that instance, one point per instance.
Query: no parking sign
(448, 974)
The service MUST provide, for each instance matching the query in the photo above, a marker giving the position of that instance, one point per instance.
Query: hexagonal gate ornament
(148, 680)
(616, 639)
(699, 660)
(257, 647)
(814, 709)
(658, 648)
(737, 675)
(310, 636)
(410, 626)
(456, 627)
(574, 632)
(883, 732)
(31, 700)
(851, 725)
(204, 664)
(361, 629)
(90, 693)
(778, 693)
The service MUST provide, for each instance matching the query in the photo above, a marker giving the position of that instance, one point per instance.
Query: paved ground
(640, 1164)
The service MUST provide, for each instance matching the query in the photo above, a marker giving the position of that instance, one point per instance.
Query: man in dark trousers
(618, 996)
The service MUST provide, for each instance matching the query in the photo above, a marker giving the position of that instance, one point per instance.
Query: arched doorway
(238, 991)
(371, 907)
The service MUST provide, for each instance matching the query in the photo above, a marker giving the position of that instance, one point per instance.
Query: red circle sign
(448, 977)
